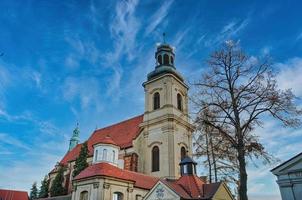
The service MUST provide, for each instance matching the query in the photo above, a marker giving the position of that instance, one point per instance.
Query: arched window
(118, 196)
(160, 59)
(113, 156)
(183, 153)
(96, 155)
(105, 154)
(84, 195)
(166, 59)
(172, 60)
(179, 102)
(155, 159)
(156, 101)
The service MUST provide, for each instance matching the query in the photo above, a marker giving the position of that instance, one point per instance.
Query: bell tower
(167, 130)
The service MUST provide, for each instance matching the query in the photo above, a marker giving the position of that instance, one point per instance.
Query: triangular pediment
(290, 165)
(161, 192)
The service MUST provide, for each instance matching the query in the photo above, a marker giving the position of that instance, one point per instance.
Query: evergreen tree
(57, 188)
(81, 161)
(43, 193)
(34, 191)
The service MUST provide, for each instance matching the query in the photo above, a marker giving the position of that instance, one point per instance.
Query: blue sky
(84, 61)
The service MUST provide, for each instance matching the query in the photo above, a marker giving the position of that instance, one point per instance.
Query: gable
(223, 192)
(292, 164)
(162, 192)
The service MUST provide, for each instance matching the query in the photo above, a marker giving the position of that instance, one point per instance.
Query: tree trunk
(209, 158)
(242, 174)
(213, 159)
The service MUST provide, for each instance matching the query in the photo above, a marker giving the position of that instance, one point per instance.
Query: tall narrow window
(84, 195)
(155, 159)
(96, 155)
(160, 60)
(179, 102)
(118, 196)
(113, 156)
(105, 154)
(166, 59)
(156, 101)
(183, 153)
(172, 60)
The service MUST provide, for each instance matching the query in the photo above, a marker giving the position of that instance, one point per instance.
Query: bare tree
(241, 89)
(208, 143)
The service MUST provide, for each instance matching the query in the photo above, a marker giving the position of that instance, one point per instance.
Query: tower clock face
(160, 192)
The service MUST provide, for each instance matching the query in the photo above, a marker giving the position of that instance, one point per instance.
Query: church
(148, 156)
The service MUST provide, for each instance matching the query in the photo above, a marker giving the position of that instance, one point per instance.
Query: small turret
(106, 150)
(165, 58)
(187, 166)
(74, 140)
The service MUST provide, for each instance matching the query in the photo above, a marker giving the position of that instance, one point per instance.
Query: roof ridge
(118, 123)
(188, 188)
(197, 184)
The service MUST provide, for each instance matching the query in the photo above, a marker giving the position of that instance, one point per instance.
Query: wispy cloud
(82, 49)
(157, 18)
(123, 29)
(299, 37)
(5, 138)
(228, 31)
(76, 88)
(287, 78)
(21, 175)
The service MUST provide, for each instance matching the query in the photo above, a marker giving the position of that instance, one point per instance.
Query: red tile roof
(121, 134)
(107, 140)
(192, 187)
(108, 170)
(13, 195)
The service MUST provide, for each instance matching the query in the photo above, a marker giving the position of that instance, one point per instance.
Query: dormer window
(156, 101)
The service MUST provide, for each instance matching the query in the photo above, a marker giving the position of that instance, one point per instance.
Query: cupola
(165, 58)
(106, 150)
(187, 166)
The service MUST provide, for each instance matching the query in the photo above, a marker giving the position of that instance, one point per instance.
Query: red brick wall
(130, 162)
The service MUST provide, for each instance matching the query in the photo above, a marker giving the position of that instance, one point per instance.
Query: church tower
(167, 130)
(74, 140)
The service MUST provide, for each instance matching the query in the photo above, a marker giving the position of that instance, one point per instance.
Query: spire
(74, 140)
